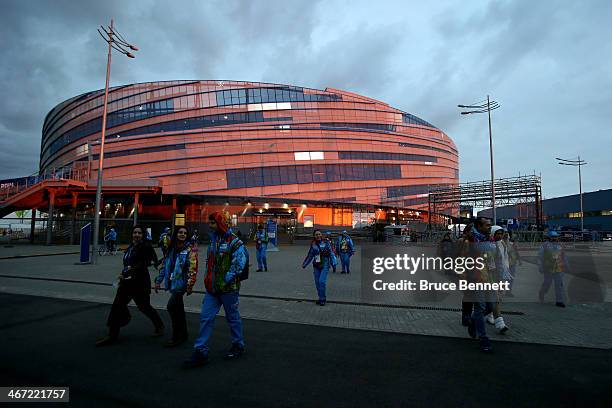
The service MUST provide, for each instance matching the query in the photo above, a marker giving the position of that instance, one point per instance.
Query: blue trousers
(210, 307)
(320, 278)
(261, 258)
(345, 259)
(558, 279)
(482, 306)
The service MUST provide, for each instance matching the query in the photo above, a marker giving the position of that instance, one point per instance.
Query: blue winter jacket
(322, 249)
(349, 241)
(180, 269)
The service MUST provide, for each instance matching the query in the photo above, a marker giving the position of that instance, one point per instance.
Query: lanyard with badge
(317, 258)
(221, 247)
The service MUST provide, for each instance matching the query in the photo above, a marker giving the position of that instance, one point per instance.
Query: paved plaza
(48, 341)
(286, 294)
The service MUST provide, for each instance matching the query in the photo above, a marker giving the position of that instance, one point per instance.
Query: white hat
(495, 228)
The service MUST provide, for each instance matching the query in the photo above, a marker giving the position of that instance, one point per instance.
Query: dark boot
(197, 359)
(234, 352)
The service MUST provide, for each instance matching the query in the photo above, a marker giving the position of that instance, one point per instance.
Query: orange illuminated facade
(248, 139)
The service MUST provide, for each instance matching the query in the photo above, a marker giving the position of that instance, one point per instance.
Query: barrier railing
(9, 188)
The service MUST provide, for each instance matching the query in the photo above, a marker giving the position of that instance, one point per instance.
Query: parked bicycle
(106, 249)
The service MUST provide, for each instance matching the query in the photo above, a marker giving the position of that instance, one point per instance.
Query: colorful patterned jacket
(261, 239)
(180, 269)
(482, 246)
(345, 244)
(551, 258)
(226, 260)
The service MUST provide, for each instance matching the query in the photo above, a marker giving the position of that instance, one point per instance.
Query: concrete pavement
(49, 342)
(286, 294)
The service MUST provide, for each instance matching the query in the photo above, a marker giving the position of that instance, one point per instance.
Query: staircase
(12, 190)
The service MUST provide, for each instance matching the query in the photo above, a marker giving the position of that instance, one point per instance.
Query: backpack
(244, 274)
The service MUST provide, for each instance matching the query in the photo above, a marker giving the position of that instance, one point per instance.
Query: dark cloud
(548, 63)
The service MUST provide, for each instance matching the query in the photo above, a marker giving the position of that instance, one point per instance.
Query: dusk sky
(548, 63)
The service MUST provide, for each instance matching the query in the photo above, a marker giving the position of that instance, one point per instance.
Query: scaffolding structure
(526, 190)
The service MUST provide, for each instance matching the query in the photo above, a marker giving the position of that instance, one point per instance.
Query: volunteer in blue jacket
(346, 250)
(178, 273)
(322, 257)
(261, 245)
(111, 239)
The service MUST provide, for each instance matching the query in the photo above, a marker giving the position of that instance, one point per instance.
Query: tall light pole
(115, 41)
(487, 107)
(579, 163)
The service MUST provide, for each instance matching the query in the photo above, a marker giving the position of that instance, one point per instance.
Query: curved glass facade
(254, 139)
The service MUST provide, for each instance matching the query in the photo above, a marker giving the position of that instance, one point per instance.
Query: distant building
(564, 211)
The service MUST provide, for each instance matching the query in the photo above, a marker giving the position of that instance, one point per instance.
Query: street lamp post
(115, 41)
(578, 163)
(487, 107)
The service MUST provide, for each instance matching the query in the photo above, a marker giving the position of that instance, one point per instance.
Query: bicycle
(104, 250)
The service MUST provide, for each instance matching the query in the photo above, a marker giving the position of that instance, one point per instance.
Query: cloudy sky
(548, 63)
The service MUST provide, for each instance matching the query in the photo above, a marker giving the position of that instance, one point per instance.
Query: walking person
(446, 249)
(164, 241)
(500, 272)
(322, 257)
(226, 259)
(332, 244)
(514, 258)
(463, 250)
(111, 239)
(178, 273)
(346, 249)
(481, 246)
(134, 284)
(195, 237)
(552, 264)
(261, 246)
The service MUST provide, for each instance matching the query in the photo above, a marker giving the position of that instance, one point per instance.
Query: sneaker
(197, 359)
(560, 304)
(259, 270)
(500, 325)
(485, 345)
(490, 319)
(471, 328)
(105, 341)
(234, 352)
(321, 303)
(266, 269)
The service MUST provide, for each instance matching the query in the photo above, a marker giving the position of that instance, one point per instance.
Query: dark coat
(136, 262)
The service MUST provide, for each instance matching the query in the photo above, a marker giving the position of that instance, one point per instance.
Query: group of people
(323, 254)
(226, 261)
(494, 244)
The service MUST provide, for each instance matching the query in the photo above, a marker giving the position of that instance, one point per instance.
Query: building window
(309, 156)
(315, 173)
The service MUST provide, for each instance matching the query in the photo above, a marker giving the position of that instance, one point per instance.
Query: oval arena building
(245, 141)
